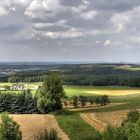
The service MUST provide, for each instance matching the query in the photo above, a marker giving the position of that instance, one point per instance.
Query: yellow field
(32, 125)
(113, 92)
(108, 90)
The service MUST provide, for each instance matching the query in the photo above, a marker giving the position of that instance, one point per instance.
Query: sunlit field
(85, 90)
(111, 91)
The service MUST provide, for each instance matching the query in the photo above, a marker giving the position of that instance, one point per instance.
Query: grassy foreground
(76, 128)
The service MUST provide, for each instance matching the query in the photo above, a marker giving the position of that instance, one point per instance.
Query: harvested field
(101, 120)
(32, 125)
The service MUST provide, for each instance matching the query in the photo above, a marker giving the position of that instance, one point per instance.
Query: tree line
(82, 101)
(92, 74)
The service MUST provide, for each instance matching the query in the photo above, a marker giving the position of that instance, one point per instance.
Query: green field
(86, 90)
(108, 90)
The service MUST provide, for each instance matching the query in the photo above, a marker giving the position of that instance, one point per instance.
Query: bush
(132, 117)
(114, 133)
(48, 135)
(128, 131)
(9, 129)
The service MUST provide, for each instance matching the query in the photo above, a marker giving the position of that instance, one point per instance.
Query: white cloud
(3, 11)
(83, 6)
(135, 40)
(71, 33)
(107, 43)
(22, 2)
(88, 15)
(98, 42)
(120, 20)
(116, 43)
(67, 34)
(5, 7)
(45, 25)
(44, 8)
(123, 19)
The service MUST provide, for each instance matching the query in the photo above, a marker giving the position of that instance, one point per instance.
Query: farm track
(33, 124)
(95, 107)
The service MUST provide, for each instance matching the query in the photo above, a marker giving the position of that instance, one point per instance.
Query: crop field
(32, 125)
(110, 91)
(129, 67)
(100, 120)
(85, 90)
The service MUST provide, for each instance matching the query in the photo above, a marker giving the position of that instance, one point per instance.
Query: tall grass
(76, 128)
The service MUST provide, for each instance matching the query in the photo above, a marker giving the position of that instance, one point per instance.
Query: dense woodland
(79, 74)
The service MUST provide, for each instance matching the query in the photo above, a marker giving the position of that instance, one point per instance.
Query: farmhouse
(17, 87)
(2, 88)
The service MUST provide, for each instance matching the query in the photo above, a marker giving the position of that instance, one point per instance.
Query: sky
(70, 30)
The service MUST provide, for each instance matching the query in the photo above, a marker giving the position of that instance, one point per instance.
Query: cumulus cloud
(44, 8)
(83, 6)
(71, 33)
(22, 2)
(3, 11)
(135, 40)
(45, 25)
(6, 7)
(88, 15)
(107, 43)
(86, 25)
(123, 19)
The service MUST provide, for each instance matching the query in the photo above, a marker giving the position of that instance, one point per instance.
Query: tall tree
(50, 94)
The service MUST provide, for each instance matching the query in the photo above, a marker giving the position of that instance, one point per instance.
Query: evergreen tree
(9, 129)
(49, 96)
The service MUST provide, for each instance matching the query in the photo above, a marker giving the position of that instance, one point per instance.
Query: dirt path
(31, 125)
(101, 120)
(95, 107)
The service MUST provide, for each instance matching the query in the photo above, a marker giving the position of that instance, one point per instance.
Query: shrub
(114, 133)
(132, 117)
(9, 129)
(48, 135)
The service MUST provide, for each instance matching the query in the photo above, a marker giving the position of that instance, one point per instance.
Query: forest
(78, 74)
